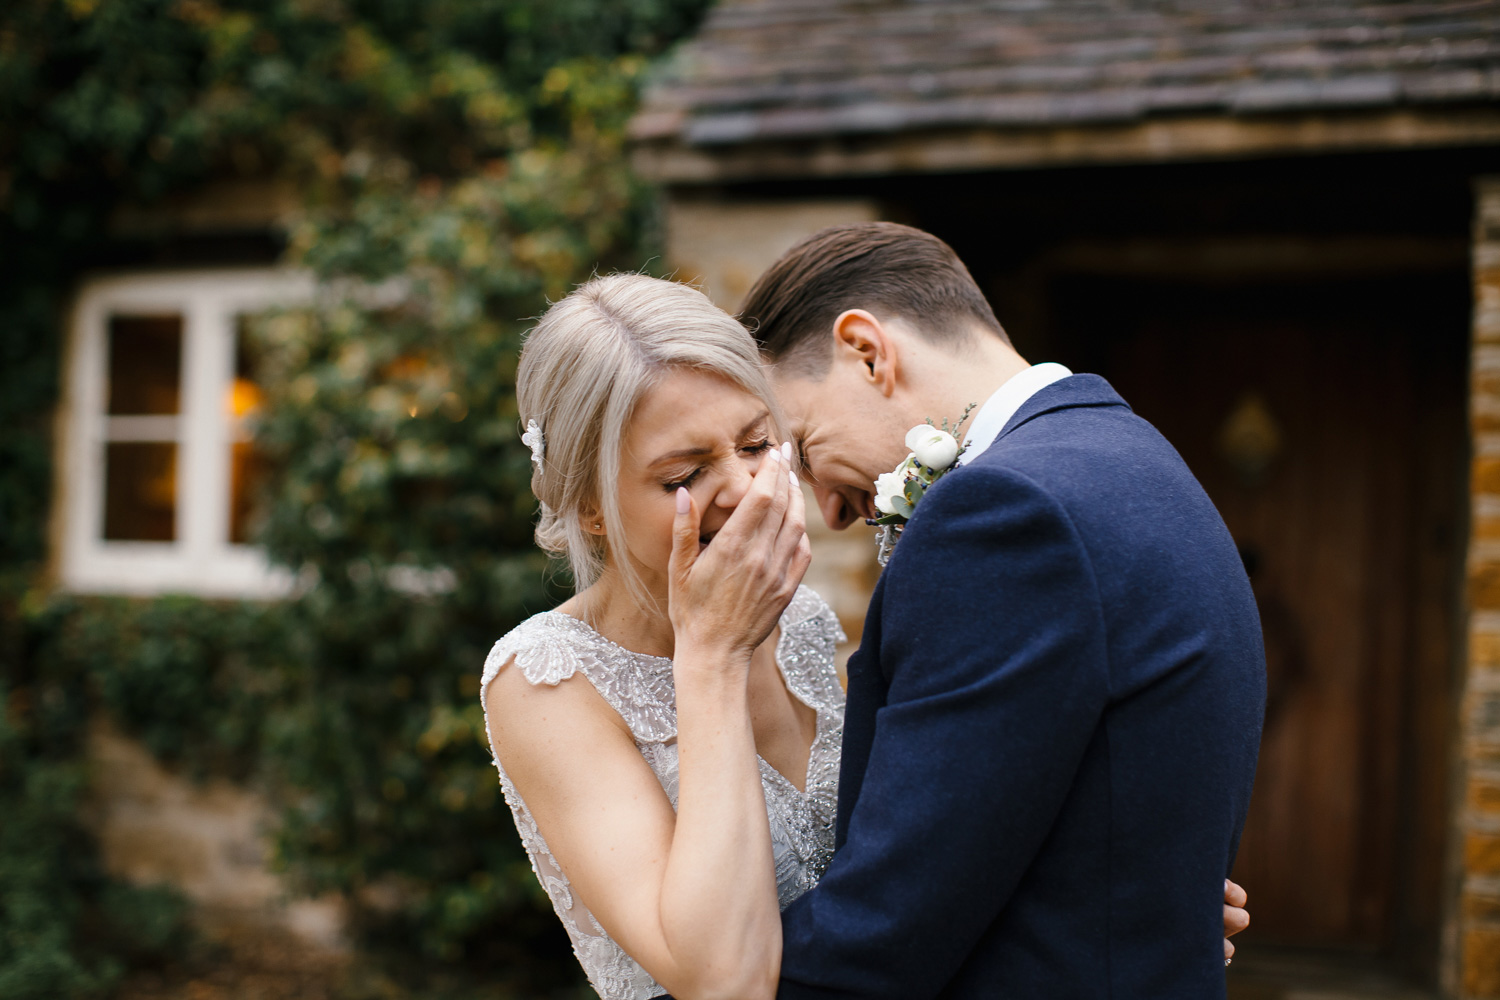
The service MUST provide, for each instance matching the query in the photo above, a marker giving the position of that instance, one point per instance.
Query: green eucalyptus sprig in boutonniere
(934, 452)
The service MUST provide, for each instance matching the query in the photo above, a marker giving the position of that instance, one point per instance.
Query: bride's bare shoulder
(534, 679)
(545, 736)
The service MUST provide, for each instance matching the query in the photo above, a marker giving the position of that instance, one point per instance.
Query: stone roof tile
(783, 69)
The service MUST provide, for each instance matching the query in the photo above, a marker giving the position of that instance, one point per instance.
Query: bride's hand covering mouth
(728, 587)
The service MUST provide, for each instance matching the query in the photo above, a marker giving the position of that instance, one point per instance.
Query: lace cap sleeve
(810, 631)
(551, 647)
(542, 656)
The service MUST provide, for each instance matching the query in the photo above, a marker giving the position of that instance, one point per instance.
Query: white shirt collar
(1010, 397)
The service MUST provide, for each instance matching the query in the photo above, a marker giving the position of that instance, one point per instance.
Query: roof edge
(1165, 139)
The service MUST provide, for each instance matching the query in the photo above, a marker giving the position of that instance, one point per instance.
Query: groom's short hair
(883, 267)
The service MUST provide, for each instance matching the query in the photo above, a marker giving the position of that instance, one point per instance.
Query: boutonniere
(934, 452)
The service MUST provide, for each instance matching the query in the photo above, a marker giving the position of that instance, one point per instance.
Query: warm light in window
(244, 397)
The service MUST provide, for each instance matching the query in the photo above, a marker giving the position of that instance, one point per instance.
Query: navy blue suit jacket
(1051, 733)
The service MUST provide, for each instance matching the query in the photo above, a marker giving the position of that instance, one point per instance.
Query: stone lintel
(1189, 137)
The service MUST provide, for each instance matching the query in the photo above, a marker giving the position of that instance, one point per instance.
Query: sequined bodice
(551, 647)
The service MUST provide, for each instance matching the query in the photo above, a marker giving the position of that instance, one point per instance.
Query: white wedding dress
(553, 646)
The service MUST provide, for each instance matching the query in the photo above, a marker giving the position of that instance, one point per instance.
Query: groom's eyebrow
(697, 452)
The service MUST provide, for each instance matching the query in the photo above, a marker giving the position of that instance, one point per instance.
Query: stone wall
(1472, 950)
(207, 841)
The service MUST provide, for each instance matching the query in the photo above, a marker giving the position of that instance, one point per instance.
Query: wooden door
(1327, 423)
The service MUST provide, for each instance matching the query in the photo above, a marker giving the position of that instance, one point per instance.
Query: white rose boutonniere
(887, 488)
(934, 451)
(933, 448)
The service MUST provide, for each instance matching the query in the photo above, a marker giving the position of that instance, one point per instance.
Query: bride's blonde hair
(583, 370)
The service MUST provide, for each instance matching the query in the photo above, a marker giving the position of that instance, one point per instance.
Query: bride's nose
(737, 482)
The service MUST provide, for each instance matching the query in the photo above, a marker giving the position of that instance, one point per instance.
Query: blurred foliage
(459, 162)
(65, 930)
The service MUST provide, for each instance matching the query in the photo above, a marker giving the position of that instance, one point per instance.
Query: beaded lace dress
(551, 647)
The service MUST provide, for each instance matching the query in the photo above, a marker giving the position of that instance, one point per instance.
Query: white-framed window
(157, 472)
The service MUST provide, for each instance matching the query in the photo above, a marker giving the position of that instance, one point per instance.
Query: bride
(672, 772)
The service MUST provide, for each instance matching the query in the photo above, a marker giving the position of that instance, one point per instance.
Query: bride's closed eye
(688, 480)
(758, 448)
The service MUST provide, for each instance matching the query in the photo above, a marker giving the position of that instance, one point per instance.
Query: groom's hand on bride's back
(731, 591)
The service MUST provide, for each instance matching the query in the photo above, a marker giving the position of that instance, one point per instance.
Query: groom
(1055, 709)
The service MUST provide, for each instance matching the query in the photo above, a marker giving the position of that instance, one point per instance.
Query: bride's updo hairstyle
(585, 367)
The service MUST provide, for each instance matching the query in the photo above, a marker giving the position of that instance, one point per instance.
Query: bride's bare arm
(721, 827)
(639, 869)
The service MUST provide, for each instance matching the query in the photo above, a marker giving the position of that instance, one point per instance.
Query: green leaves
(458, 164)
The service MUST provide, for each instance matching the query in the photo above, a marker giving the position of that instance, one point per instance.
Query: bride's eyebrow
(698, 452)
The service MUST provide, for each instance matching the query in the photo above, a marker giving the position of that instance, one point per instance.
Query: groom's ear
(860, 338)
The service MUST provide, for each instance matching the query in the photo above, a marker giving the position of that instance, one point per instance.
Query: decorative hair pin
(533, 438)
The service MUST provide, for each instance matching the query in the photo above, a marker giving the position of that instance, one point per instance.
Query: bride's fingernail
(786, 451)
(792, 477)
(776, 455)
(684, 501)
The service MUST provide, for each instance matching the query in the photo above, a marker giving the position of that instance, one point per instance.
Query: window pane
(140, 491)
(247, 473)
(145, 364)
(246, 463)
(244, 394)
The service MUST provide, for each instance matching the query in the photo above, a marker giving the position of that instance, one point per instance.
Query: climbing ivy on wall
(459, 162)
